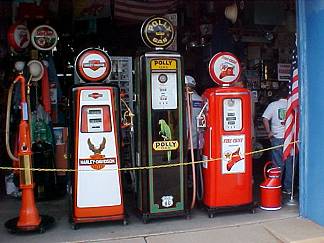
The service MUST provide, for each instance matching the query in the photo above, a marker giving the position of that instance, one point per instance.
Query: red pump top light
(224, 68)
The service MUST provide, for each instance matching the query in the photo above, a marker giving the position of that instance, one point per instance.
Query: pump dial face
(163, 78)
(93, 65)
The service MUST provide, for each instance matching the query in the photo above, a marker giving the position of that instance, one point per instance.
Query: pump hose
(11, 155)
(191, 149)
(200, 193)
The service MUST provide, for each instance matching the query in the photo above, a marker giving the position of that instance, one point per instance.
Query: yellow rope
(144, 167)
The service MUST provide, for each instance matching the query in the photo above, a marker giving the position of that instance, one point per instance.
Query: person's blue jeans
(285, 166)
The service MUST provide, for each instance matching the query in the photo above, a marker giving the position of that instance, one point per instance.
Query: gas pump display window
(232, 114)
(96, 119)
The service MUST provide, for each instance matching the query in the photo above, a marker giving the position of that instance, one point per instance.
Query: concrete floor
(174, 229)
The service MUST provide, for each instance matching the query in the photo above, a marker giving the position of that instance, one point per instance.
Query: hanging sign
(157, 32)
(93, 65)
(224, 68)
(18, 37)
(44, 38)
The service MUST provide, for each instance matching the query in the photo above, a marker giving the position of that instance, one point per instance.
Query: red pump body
(270, 188)
(228, 172)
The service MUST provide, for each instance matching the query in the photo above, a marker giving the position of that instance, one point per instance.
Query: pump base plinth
(212, 211)
(46, 222)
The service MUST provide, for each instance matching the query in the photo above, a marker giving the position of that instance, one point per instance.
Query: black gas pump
(160, 125)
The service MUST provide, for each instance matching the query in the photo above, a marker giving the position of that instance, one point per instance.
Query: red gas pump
(96, 193)
(227, 171)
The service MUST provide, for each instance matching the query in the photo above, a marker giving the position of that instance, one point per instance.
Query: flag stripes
(136, 11)
(292, 114)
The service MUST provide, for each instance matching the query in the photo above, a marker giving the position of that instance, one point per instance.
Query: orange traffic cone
(29, 218)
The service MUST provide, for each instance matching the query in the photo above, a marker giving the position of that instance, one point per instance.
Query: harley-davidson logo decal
(95, 95)
(94, 65)
(97, 161)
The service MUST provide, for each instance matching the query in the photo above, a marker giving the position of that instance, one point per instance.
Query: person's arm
(266, 124)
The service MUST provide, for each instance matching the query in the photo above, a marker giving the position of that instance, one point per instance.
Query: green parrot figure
(165, 133)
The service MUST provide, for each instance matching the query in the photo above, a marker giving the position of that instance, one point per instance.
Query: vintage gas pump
(228, 172)
(160, 123)
(96, 193)
(29, 218)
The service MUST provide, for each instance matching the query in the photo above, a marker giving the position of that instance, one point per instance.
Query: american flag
(139, 10)
(292, 114)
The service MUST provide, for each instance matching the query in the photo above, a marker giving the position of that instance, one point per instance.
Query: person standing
(275, 113)
(196, 104)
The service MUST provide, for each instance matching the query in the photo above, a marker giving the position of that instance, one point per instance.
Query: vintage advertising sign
(157, 32)
(284, 71)
(164, 64)
(224, 68)
(44, 38)
(18, 37)
(165, 145)
(93, 65)
(233, 154)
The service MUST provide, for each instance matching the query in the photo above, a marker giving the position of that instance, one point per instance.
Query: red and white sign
(284, 71)
(233, 154)
(18, 37)
(224, 68)
(44, 38)
(93, 65)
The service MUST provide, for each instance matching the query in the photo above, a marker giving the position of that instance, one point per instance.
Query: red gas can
(270, 188)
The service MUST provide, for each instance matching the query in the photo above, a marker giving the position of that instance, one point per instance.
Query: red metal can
(270, 188)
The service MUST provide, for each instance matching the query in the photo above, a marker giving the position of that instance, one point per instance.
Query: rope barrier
(142, 167)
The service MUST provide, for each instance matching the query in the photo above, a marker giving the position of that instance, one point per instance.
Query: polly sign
(157, 32)
(224, 68)
(93, 65)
